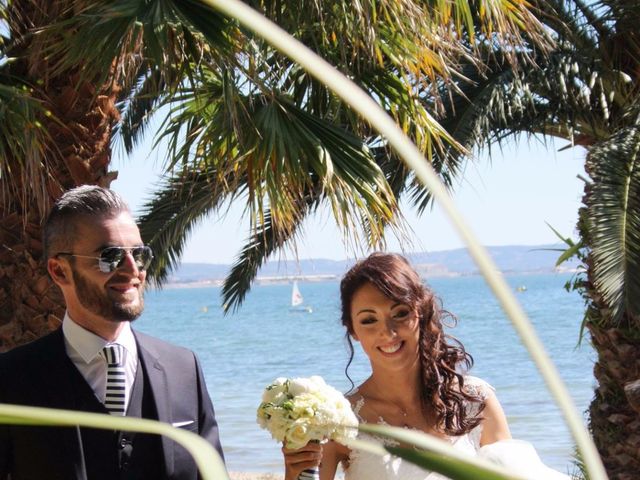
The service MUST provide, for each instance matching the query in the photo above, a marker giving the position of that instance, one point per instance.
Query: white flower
(298, 386)
(298, 434)
(299, 410)
(274, 391)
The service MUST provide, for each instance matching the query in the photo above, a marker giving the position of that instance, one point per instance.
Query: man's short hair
(87, 200)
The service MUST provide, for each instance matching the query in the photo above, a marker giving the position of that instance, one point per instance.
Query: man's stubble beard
(98, 302)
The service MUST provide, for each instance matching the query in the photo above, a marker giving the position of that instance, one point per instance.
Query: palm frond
(25, 173)
(567, 97)
(262, 242)
(613, 204)
(168, 218)
(485, 108)
(206, 457)
(416, 38)
(138, 106)
(254, 122)
(126, 33)
(282, 150)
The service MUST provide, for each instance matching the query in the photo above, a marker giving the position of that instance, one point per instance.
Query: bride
(415, 381)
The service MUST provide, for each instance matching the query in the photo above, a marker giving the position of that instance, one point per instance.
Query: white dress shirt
(84, 347)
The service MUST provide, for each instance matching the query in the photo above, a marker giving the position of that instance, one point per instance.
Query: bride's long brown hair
(443, 359)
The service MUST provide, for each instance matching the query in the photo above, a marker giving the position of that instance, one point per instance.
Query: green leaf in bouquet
(431, 453)
(206, 457)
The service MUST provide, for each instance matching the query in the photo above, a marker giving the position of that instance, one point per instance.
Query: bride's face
(387, 330)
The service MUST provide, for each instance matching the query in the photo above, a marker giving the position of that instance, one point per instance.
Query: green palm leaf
(157, 31)
(250, 110)
(430, 453)
(139, 105)
(209, 463)
(23, 150)
(169, 217)
(613, 206)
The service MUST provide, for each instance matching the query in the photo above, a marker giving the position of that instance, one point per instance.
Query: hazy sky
(506, 201)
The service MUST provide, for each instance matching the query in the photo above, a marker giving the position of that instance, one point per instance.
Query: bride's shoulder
(476, 387)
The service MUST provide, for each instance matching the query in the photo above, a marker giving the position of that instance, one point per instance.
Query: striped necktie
(114, 399)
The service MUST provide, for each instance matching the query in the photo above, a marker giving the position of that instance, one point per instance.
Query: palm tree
(244, 120)
(291, 126)
(586, 91)
(64, 84)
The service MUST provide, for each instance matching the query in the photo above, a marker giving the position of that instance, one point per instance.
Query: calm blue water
(243, 352)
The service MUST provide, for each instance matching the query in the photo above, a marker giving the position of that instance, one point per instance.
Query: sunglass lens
(111, 258)
(143, 257)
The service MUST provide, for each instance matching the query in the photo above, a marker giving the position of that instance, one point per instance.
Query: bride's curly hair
(443, 359)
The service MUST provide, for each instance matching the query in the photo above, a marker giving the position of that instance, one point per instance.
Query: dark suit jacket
(38, 374)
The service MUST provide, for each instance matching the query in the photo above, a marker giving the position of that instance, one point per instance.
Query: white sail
(296, 296)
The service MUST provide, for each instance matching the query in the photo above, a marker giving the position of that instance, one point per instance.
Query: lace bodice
(368, 466)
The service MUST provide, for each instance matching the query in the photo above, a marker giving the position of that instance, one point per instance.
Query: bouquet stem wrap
(310, 474)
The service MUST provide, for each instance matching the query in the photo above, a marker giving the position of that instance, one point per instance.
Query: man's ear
(59, 272)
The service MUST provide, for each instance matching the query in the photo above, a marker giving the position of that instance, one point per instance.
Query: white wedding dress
(518, 456)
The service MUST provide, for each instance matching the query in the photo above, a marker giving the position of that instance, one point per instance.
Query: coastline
(281, 280)
(284, 280)
(510, 260)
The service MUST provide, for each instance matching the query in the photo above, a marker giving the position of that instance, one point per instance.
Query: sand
(254, 476)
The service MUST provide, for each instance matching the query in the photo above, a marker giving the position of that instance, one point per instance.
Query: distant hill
(510, 260)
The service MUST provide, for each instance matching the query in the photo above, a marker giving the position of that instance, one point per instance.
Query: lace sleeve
(478, 388)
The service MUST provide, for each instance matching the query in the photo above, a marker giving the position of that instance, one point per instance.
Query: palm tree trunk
(30, 304)
(613, 420)
(78, 152)
(615, 424)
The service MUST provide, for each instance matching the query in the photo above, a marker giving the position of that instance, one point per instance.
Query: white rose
(306, 405)
(278, 424)
(262, 417)
(297, 435)
(276, 390)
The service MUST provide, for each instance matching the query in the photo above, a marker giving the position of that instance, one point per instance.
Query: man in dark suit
(97, 363)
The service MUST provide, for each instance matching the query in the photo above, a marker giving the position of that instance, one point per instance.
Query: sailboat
(297, 300)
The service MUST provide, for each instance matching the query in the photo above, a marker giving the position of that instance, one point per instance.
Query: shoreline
(284, 280)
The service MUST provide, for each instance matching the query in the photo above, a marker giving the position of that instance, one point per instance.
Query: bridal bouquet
(297, 411)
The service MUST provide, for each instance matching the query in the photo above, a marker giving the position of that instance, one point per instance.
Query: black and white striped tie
(114, 399)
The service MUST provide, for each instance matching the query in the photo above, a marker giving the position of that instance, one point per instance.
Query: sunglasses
(112, 258)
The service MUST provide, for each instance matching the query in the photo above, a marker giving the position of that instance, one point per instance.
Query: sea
(242, 352)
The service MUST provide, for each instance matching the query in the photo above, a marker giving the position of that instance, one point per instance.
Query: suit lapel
(160, 391)
(62, 393)
(59, 373)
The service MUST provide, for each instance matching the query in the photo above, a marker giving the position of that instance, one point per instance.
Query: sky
(507, 200)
